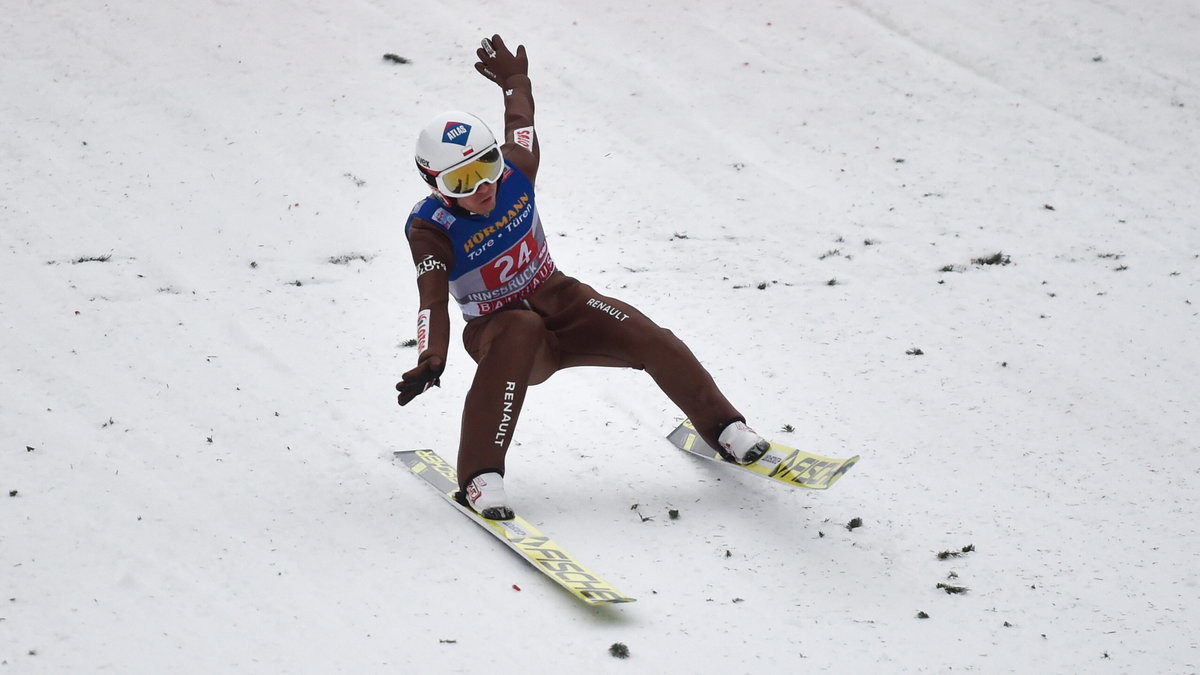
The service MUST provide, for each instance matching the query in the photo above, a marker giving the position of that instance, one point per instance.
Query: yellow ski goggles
(464, 179)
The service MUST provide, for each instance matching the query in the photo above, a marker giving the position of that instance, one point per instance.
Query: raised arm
(511, 72)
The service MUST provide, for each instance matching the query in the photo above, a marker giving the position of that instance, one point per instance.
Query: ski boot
(742, 444)
(485, 494)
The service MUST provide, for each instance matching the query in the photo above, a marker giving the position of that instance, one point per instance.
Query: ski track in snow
(206, 289)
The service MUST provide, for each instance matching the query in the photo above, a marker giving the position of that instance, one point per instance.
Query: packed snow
(959, 239)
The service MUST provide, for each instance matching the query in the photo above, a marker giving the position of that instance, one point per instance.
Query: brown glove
(497, 63)
(416, 381)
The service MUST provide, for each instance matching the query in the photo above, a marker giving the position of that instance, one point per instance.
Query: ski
(781, 463)
(541, 552)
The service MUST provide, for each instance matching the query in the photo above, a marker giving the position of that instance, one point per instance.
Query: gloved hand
(427, 374)
(497, 63)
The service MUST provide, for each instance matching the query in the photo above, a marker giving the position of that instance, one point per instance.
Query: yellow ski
(522, 537)
(780, 463)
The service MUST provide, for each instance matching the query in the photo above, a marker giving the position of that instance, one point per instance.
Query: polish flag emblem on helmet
(457, 133)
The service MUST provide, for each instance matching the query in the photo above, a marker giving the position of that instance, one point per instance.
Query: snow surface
(205, 290)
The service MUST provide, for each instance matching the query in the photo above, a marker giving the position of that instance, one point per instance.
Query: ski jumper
(525, 318)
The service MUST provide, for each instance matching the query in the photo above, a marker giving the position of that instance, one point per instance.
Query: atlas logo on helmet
(457, 133)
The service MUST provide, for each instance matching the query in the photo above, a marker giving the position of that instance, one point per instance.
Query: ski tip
(841, 471)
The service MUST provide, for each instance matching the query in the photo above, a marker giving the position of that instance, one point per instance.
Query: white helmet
(456, 153)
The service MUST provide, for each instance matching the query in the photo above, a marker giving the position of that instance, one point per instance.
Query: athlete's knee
(663, 339)
(660, 350)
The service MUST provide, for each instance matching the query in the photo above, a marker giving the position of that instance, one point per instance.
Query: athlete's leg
(596, 330)
(513, 350)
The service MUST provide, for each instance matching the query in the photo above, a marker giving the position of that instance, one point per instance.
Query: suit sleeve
(433, 257)
(521, 143)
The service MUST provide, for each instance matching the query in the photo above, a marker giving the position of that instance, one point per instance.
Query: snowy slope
(205, 291)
